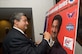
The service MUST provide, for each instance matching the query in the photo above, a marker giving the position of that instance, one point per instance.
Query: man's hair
(16, 16)
(59, 18)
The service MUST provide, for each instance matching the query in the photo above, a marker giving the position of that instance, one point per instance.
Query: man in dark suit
(55, 46)
(16, 42)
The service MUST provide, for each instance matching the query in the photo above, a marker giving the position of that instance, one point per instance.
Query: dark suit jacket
(56, 49)
(17, 43)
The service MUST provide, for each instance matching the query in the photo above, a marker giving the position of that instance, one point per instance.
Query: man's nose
(54, 30)
(27, 23)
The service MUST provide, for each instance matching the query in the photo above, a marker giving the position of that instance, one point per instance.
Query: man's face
(54, 29)
(22, 24)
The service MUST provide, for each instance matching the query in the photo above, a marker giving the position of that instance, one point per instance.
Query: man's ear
(15, 21)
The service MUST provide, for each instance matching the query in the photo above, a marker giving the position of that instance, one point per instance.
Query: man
(56, 48)
(16, 42)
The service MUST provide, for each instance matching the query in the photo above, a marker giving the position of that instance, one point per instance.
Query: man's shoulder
(15, 34)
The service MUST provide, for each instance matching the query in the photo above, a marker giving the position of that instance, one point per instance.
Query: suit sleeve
(23, 46)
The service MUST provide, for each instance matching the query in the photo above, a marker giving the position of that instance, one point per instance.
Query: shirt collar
(51, 42)
(18, 29)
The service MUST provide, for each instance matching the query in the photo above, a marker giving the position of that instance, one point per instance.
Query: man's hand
(47, 35)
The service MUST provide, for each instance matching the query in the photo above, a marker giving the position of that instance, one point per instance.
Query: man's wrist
(46, 40)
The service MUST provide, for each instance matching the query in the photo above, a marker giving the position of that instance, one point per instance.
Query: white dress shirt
(51, 42)
(18, 29)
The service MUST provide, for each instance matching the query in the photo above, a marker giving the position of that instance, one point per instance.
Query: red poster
(68, 10)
